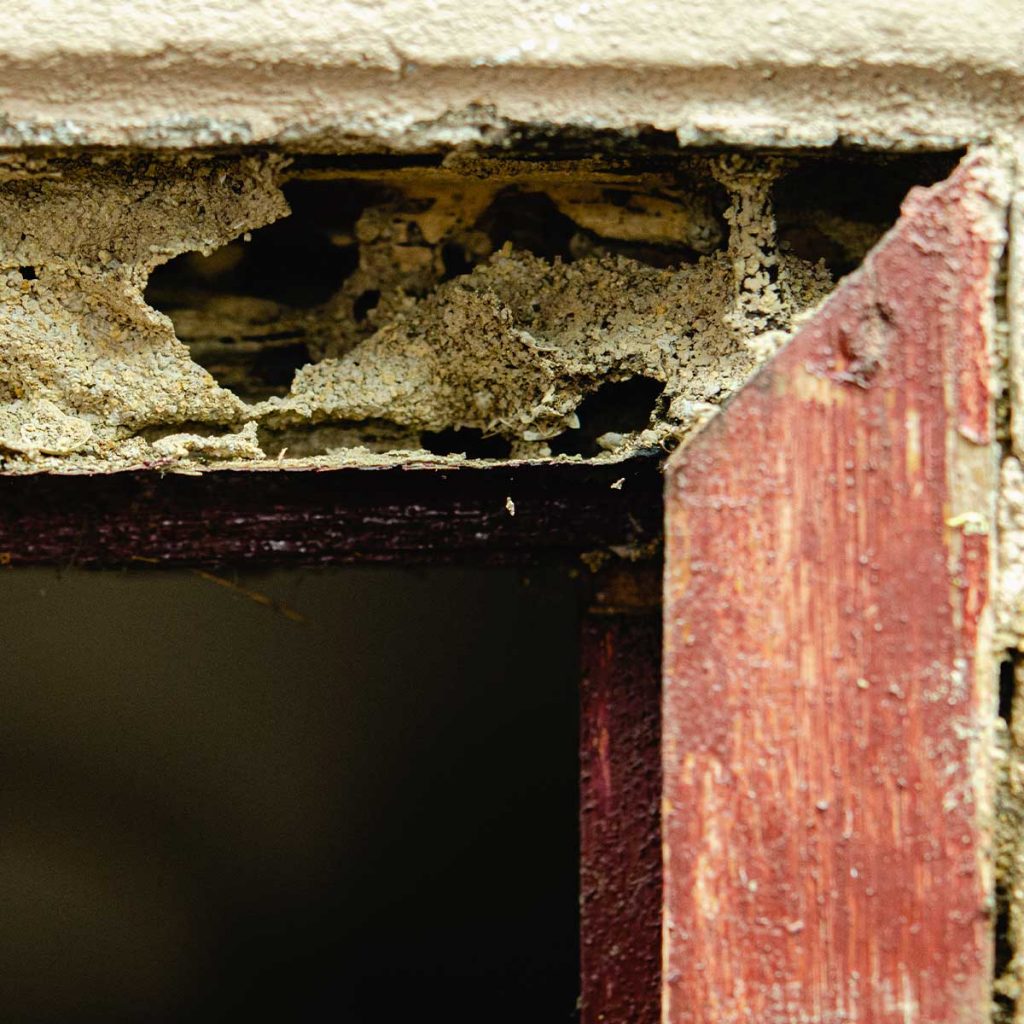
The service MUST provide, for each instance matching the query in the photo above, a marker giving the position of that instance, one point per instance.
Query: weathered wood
(504, 514)
(620, 793)
(827, 693)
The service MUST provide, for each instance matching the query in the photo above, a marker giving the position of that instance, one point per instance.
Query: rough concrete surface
(415, 73)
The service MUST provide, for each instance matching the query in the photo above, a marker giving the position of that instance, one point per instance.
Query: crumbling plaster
(93, 378)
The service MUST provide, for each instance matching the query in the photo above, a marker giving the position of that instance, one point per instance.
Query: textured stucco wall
(408, 73)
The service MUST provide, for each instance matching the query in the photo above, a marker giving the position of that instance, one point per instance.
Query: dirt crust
(674, 278)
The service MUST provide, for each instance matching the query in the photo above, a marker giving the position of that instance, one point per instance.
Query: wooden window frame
(580, 514)
(830, 679)
(786, 821)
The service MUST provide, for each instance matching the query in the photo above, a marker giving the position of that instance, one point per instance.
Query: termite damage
(273, 310)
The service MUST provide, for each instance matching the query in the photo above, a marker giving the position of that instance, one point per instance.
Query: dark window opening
(307, 795)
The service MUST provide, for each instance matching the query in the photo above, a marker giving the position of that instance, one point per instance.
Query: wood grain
(347, 516)
(825, 702)
(620, 792)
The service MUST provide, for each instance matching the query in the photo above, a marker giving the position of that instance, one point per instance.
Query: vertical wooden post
(828, 683)
(620, 874)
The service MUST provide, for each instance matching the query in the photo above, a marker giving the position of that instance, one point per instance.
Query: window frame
(801, 873)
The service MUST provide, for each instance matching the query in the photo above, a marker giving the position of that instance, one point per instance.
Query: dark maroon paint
(620, 792)
(347, 516)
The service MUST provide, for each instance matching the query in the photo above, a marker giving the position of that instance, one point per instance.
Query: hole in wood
(471, 443)
(1009, 823)
(608, 416)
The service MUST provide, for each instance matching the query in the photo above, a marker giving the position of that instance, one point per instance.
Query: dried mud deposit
(440, 325)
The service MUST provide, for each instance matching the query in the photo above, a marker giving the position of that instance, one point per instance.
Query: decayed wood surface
(825, 703)
(620, 792)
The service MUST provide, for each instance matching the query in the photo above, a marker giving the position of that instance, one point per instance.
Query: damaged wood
(829, 689)
(153, 307)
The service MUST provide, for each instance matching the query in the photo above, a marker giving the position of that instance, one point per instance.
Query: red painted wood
(823, 705)
(620, 838)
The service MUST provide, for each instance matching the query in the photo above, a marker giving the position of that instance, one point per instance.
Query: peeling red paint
(823, 846)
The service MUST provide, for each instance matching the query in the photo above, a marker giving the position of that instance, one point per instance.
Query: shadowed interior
(357, 800)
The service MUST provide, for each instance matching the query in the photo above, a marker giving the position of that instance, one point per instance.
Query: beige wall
(410, 72)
